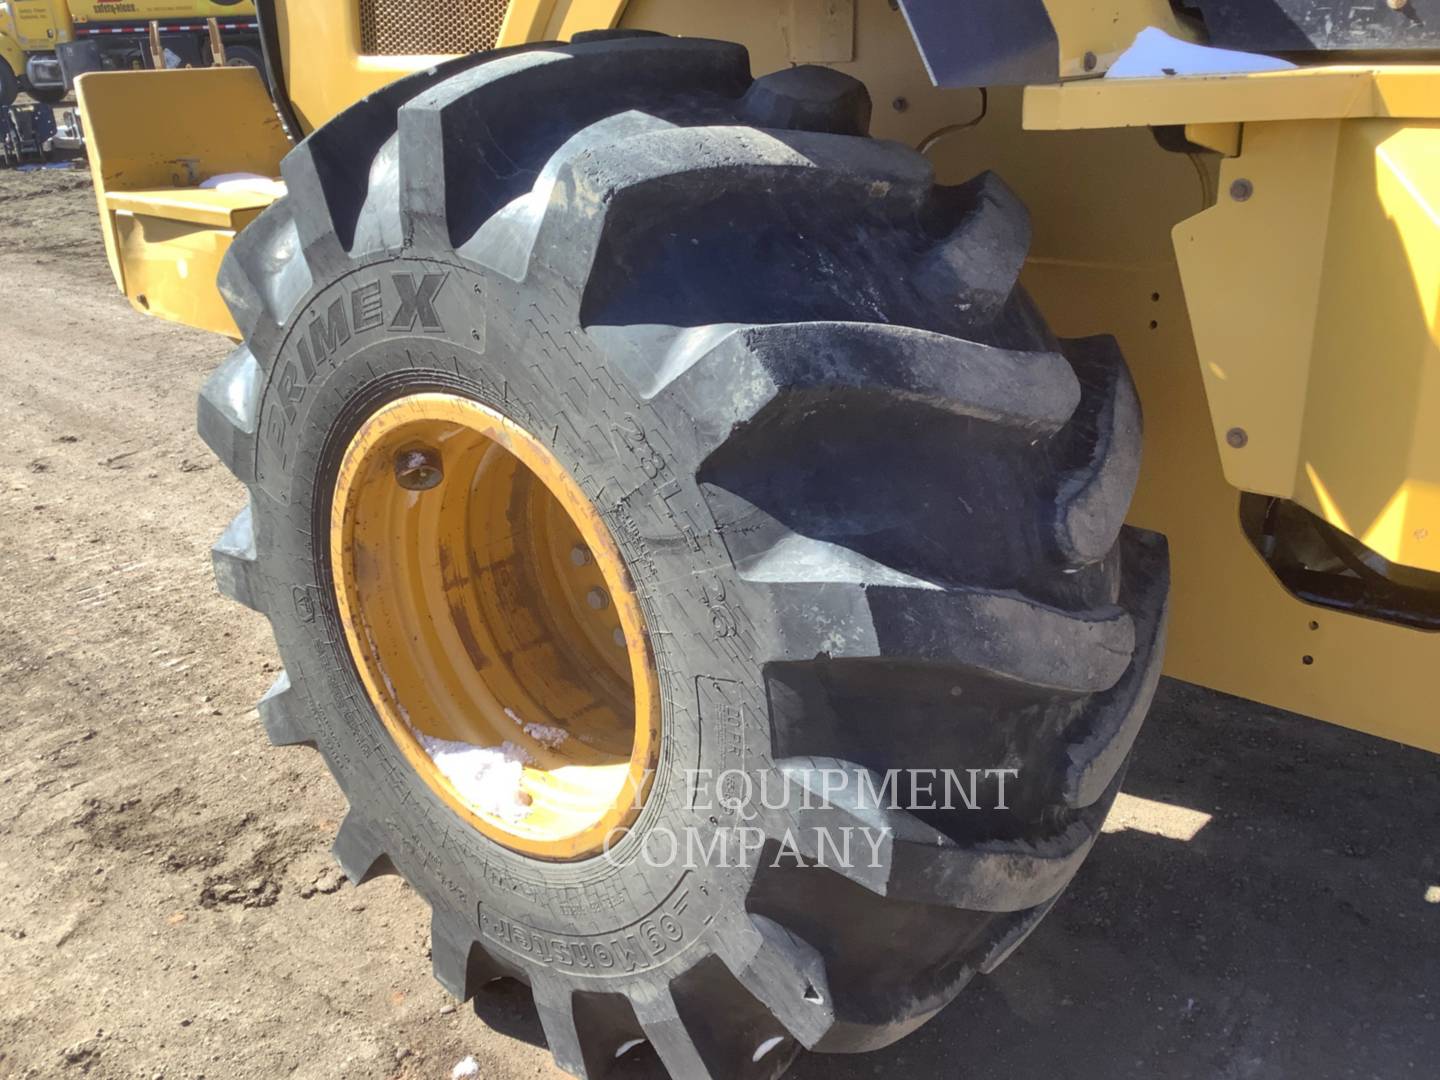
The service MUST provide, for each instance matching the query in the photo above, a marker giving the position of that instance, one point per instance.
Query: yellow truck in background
(46, 44)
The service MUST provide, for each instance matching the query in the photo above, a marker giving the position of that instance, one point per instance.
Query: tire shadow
(1290, 937)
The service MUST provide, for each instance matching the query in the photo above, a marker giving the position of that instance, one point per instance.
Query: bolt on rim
(495, 626)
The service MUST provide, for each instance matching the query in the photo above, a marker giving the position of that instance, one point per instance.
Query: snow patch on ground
(1156, 54)
(488, 777)
(465, 1067)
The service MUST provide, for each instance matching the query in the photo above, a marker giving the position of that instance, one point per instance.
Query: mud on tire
(873, 510)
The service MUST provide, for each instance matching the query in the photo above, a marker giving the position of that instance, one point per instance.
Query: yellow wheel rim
(495, 625)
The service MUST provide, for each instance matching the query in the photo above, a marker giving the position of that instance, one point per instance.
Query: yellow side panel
(40, 24)
(1255, 316)
(153, 136)
(1370, 455)
(171, 266)
(1314, 285)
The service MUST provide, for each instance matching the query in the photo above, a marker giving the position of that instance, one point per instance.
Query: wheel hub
(494, 625)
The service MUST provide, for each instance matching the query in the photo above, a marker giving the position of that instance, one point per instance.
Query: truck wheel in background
(47, 95)
(241, 56)
(608, 416)
(9, 85)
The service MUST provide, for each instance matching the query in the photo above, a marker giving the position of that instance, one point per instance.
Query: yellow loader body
(1274, 283)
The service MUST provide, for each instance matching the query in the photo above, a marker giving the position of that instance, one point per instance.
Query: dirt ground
(167, 902)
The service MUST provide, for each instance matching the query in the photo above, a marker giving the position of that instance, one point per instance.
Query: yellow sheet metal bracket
(1312, 283)
(165, 234)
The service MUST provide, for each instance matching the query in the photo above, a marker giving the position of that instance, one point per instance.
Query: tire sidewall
(517, 349)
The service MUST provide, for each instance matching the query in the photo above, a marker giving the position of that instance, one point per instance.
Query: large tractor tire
(639, 455)
(9, 85)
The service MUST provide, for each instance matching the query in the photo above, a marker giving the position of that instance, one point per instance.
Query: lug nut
(418, 469)
(579, 555)
(597, 599)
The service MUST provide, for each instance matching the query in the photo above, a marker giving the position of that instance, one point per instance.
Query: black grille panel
(405, 27)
